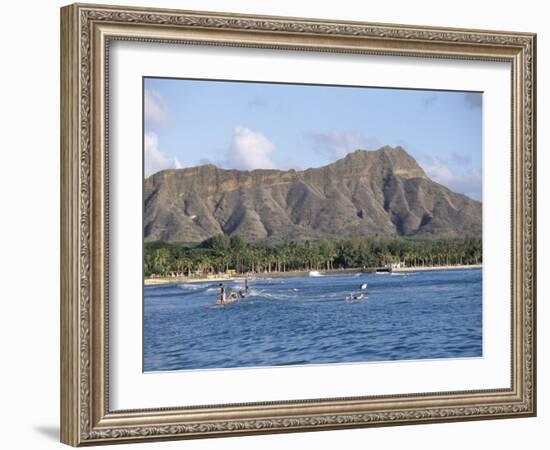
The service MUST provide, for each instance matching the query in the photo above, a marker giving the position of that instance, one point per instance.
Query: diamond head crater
(382, 193)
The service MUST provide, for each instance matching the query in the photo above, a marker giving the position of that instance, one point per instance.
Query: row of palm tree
(223, 253)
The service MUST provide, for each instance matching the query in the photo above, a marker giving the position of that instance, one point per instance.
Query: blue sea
(307, 320)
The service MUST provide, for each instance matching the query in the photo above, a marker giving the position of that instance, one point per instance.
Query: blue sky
(265, 125)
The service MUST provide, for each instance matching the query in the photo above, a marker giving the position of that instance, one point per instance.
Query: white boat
(315, 273)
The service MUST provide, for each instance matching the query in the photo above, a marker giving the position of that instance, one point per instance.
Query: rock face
(367, 193)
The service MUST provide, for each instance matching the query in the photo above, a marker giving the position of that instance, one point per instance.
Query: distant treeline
(223, 253)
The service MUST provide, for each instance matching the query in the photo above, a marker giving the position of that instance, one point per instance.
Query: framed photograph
(276, 224)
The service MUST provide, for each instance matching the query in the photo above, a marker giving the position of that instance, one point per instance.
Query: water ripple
(308, 321)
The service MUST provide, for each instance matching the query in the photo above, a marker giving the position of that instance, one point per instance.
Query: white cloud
(154, 159)
(250, 150)
(337, 144)
(467, 182)
(155, 109)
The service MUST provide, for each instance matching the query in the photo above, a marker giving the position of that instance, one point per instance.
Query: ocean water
(307, 320)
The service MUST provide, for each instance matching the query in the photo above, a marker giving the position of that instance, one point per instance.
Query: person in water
(222, 294)
(243, 294)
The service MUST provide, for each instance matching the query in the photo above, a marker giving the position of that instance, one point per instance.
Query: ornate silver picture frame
(87, 33)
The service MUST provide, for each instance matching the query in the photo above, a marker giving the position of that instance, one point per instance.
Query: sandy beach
(455, 267)
(178, 280)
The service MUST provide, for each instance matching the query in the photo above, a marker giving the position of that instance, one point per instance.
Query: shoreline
(425, 268)
(222, 278)
(242, 277)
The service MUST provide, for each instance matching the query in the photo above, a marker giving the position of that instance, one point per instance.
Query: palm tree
(161, 261)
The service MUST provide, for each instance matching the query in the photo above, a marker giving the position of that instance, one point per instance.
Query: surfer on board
(222, 294)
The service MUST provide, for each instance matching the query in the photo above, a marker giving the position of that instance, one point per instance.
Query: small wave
(252, 293)
(193, 286)
(277, 296)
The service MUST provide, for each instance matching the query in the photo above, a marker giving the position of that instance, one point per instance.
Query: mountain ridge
(382, 192)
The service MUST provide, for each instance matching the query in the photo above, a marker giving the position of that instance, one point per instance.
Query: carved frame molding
(86, 32)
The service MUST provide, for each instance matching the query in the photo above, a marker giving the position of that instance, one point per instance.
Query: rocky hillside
(367, 193)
